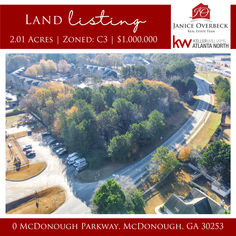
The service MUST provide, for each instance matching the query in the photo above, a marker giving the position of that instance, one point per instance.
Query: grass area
(173, 123)
(26, 172)
(204, 135)
(226, 136)
(90, 175)
(209, 76)
(48, 201)
(176, 182)
(12, 120)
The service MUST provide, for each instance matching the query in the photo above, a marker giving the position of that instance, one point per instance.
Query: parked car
(62, 152)
(28, 151)
(72, 160)
(56, 146)
(51, 142)
(80, 161)
(45, 134)
(71, 155)
(58, 150)
(82, 166)
(31, 154)
(27, 147)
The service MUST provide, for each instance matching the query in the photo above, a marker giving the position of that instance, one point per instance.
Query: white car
(71, 155)
(81, 167)
(81, 161)
(72, 160)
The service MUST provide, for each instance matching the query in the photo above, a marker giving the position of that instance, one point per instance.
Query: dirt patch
(43, 202)
(26, 172)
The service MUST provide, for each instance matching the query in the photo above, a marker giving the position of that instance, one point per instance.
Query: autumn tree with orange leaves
(184, 154)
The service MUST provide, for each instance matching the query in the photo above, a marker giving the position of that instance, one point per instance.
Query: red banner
(85, 26)
(233, 26)
(117, 226)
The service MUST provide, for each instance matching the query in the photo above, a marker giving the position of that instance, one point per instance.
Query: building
(11, 101)
(220, 188)
(196, 202)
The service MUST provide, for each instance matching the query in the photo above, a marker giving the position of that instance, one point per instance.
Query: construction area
(15, 157)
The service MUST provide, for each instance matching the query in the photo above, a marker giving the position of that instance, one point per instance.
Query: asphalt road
(135, 171)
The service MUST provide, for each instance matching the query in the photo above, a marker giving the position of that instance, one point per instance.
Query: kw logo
(178, 43)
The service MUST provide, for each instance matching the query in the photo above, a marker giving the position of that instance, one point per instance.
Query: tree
(98, 102)
(222, 90)
(34, 71)
(218, 155)
(140, 134)
(130, 81)
(224, 108)
(127, 112)
(120, 148)
(155, 124)
(16, 61)
(63, 66)
(181, 67)
(180, 86)
(109, 94)
(107, 122)
(139, 72)
(156, 72)
(109, 198)
(134, 200)
(191, 86)
(184, 154)
(128, 200)
(162, 163)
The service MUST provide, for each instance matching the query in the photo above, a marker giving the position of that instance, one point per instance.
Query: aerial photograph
(104, 133)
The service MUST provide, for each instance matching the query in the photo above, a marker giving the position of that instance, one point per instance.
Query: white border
(2, 105)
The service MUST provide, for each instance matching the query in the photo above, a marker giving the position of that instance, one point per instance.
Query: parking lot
(54, 175)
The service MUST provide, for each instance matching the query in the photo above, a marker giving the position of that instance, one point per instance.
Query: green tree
(218, 155)
(120, 148)
(109, 198)
(156, 72)
(107, 122)
(191, 86)
(155, 124)
(222, 89)
(139, 72)
(134, 201)
(127, 112)
(163, 162)
(109, 94)
(98, 102)
(180, 86)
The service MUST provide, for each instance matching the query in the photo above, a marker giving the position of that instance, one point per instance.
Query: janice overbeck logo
(200, 24)
(201, 11)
